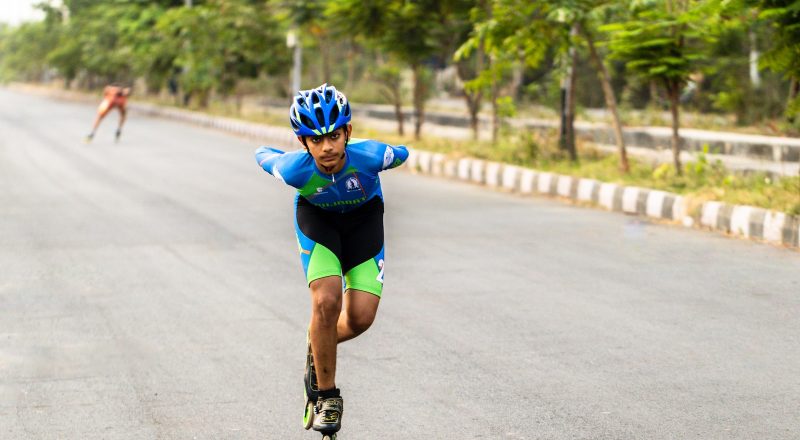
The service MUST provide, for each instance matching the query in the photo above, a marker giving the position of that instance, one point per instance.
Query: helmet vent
(334, 113)
(320, 115)
(305, 120)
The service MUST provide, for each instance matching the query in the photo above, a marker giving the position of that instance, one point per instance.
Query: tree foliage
(784, 55)
(413, 31)
(664, 41)
(216, 46)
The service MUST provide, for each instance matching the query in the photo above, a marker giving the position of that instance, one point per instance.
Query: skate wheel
(329, 437)
(308, 415)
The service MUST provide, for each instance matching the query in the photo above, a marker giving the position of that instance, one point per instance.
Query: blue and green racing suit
(339, 217)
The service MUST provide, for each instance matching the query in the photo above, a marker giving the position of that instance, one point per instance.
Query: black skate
(328, 416)
(311, 388)
(117, 135)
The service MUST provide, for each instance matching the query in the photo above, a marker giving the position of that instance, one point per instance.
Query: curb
(738, 220)
(274, 135)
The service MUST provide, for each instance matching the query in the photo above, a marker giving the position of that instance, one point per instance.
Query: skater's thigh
(363, 251)
(361, 305)
(104, 107)
(319, 242)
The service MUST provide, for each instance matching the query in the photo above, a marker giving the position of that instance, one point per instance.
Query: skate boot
(88, 138)
(117, 135)
(311, 388)
(328, 413)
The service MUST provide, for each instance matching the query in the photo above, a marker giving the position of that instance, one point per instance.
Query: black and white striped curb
(739, 220)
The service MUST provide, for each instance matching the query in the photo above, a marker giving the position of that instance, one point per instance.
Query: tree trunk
(239, 102)
(391, 89)
(495, 111)
(573, 154)
(794, 91)
(611, 102)
(325, 51)
(398, 109)
(419, 100)
(392, 92)
(351, 65)
(673, 90)
(567, 138)
(474, 106)
(516, 80)
(472, 97)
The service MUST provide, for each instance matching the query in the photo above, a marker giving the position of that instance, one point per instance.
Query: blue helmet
(319, 111)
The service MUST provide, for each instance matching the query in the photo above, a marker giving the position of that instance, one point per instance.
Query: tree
(413, 31)
(663, 41)
(24, 50)
(734, 82)
(507, 32)
(784, 55)
(219, 43)
(470, 65)
(585, 17)
(468, 69)
(388, 75)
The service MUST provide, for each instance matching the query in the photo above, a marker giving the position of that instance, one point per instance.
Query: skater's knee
(326, 308)
(326, 300)
(359, 323)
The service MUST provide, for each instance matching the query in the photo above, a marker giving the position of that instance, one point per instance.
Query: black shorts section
(354, 236)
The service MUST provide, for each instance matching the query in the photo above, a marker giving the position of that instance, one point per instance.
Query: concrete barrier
(739, 220)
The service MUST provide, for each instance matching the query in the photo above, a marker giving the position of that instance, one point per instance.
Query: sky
(16, 11)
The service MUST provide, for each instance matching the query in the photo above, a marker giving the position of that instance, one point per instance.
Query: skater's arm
(378, 156)
(267, 158)
(394, 156)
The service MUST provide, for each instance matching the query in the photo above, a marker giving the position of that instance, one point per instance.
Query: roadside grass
(702, 179)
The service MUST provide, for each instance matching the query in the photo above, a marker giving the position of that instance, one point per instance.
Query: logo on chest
(352, 184)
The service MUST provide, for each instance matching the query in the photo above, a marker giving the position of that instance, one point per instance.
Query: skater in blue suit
(339, 227)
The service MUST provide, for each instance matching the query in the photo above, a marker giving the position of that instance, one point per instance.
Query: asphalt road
(151, 289)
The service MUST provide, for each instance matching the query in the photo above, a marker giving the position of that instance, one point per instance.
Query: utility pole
(755, 78)
(293, 42)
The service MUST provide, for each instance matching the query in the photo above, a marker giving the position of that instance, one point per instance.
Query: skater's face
(328, 150)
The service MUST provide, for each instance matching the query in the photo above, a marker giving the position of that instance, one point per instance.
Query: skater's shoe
(117, 135)
(328, 414)
(88, 138)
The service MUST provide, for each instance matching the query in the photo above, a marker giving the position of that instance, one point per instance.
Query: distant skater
(113, 97)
